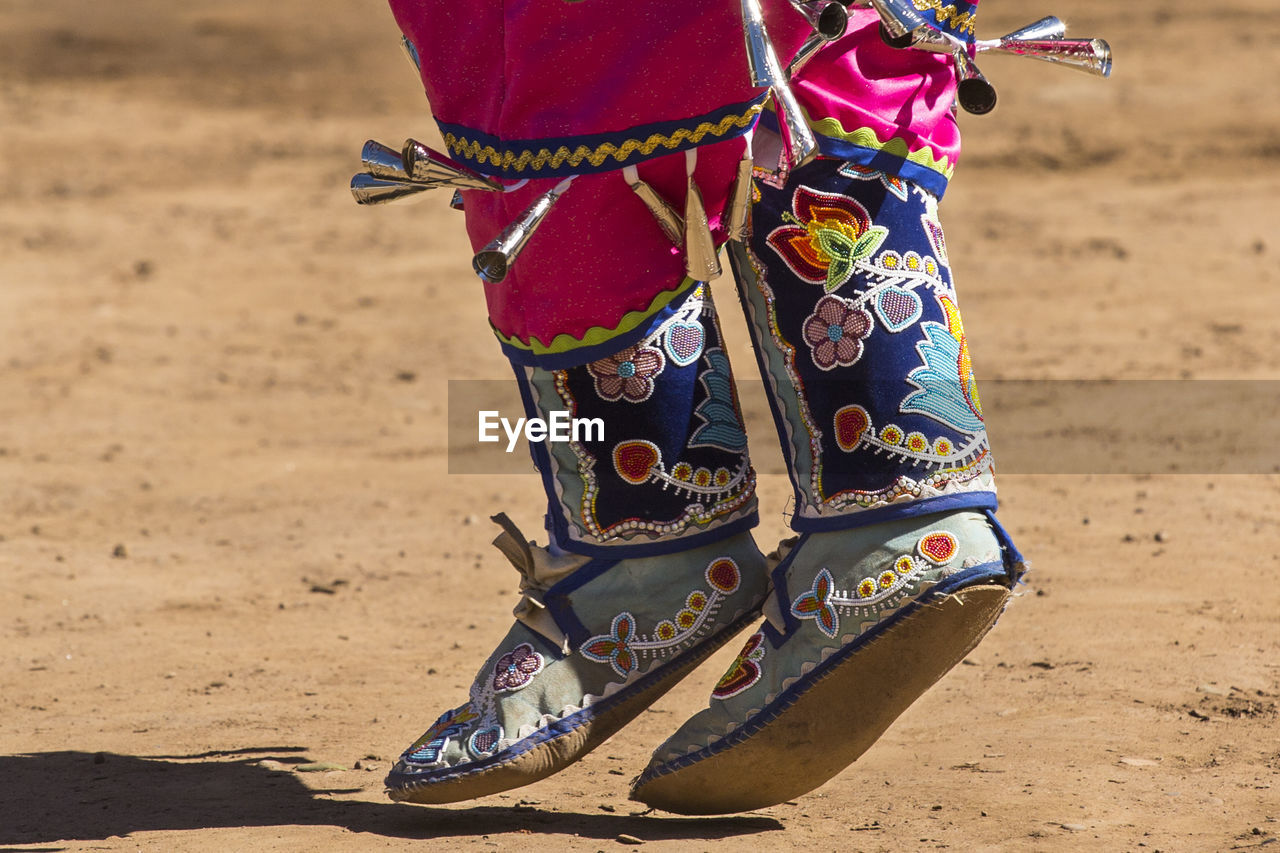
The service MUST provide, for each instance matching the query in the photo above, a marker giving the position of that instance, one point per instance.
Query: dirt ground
(230, 546)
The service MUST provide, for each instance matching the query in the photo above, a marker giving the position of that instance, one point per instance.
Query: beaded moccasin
(863, 621)
(595, 643)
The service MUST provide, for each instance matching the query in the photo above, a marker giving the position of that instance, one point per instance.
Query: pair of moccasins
(858, 623)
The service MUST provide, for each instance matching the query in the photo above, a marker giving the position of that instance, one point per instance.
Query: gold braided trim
(543, 158)
(961, 22)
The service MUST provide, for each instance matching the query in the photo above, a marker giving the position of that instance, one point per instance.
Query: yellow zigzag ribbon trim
(948, 16)
(865, 137)
(528, 159)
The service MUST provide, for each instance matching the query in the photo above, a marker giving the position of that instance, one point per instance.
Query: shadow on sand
(65, 796)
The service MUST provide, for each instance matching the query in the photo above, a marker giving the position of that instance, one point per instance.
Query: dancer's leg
(653, 566)
(900, 567)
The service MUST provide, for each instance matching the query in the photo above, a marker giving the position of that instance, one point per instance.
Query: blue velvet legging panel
(848, 288)
(670, 467)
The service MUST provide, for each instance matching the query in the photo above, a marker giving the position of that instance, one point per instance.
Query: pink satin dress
(534, 91)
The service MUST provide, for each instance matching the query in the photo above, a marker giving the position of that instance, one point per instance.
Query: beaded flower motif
(624, 646)
(516, 668)
(823, 602)
(426, 750)
(835, 331)
(627, 375)
(744, 671)
(826, 235)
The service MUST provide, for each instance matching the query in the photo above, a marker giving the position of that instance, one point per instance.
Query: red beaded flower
(614, 648)
(827, 235)
(516, 668)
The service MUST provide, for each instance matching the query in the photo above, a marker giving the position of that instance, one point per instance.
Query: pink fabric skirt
(537, 90)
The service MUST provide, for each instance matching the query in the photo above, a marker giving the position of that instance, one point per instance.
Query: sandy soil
(230, 547)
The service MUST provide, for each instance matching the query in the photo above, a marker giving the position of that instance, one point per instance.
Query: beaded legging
(671, 469)
(848, 291)
(847, 286)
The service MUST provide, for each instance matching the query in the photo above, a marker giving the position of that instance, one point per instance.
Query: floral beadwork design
(816, 604)
(516, 668)
(427, 749)
(909, 263)
(826, 235)
(933, 230)
(892, 183)
(946, 388)
(745, 670)
(901, 285)
(835, 332)
(873, 594)
(721, 418)
(938, 547)
(683, 341)
(485, 741)
(614, 648)
(724, 491)
(597, 505)
(624, 647)
(850, 423)
(639, 461)
(945, 391)
(852, 428)
(627, 375)
(957, 466)
(897, 307)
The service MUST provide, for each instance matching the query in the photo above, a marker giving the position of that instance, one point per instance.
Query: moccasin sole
(829, 718)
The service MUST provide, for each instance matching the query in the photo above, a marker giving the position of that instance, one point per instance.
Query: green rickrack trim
(596, 334)
(865, 137)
